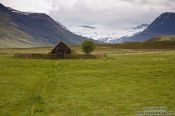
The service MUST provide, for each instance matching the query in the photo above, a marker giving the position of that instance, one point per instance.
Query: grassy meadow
(121, 84)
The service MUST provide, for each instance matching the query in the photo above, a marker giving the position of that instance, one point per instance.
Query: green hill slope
(165, 42)
(162, 39)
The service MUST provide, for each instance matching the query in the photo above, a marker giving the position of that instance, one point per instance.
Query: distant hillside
(22, 29)
(164, 42)
(164, 25)
(162, 39)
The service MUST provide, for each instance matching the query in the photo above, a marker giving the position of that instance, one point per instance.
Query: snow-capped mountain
(106, 35)
(164, 25)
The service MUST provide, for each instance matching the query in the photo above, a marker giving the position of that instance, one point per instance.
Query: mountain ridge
(32, 30)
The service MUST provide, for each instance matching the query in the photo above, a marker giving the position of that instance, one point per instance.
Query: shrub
(88, 46)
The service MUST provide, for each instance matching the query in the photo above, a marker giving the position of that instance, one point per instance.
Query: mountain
(129, 32)
(23, 29)
(106, 35)
(164, 25)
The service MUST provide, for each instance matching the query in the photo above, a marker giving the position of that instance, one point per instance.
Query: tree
(88, 46)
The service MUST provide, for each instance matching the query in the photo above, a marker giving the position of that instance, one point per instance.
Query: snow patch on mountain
(106, 35)
(22, 13)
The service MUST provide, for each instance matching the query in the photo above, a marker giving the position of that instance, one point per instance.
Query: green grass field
(120, 85)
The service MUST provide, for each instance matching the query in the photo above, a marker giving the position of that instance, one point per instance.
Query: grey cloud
(128, 13)
(114, 14)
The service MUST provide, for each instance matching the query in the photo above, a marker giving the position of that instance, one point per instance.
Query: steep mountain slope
(21, 29)
(106, 35)
(164, 25)
(11, 36)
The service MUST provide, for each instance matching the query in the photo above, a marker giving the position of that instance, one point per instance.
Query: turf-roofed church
(61, 49)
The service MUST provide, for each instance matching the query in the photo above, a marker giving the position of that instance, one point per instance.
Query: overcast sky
(109, 14)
